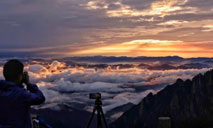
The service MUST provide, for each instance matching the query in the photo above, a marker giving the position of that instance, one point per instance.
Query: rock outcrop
(188, 103)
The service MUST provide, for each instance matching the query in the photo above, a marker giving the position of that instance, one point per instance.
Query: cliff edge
(188, 104)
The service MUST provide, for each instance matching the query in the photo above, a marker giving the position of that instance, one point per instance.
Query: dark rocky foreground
(188, 103)
(66, 117)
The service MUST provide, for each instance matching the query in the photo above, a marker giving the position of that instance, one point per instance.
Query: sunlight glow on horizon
(152, 48)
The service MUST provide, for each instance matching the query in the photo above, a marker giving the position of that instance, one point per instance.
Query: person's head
(13, 71)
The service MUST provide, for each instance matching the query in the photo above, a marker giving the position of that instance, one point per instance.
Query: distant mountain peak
(188, 103)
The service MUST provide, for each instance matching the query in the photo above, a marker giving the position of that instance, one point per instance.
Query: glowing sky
(106, 27)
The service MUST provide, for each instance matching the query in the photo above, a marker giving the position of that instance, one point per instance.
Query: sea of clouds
(63, 84)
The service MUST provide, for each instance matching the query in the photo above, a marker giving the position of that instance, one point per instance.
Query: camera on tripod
(97, 108)
(95, 95)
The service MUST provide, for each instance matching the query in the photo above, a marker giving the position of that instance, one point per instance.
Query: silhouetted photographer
(15, 100)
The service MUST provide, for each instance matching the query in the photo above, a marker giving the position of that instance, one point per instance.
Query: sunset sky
(106, 27)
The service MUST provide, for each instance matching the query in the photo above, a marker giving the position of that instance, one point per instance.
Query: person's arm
(33, 96)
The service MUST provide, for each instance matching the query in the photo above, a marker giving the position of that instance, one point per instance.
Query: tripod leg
(99, 122)
(102, 113)
(90, 120)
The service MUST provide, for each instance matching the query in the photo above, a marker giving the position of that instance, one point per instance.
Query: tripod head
(97, 97)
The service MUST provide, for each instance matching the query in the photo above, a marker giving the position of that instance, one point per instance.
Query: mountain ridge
(188, 103)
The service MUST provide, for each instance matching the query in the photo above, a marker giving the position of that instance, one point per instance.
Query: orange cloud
(160, 8)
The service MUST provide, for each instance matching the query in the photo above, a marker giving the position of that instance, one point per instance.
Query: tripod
(98, 108)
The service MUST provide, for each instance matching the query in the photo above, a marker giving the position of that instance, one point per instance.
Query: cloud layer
(63, 84)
